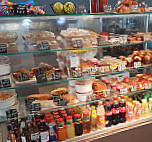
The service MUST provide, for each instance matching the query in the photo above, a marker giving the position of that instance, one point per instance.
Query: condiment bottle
(34, 136)
(70, 131)
(93, 119)
(61, 131)
(100, 117)
(52, 128)
(78, 125)
(86, 123)
(44, 130)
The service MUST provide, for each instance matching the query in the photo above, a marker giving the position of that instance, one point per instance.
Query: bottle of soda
(122, 110)
(108, 113)
(115, 111)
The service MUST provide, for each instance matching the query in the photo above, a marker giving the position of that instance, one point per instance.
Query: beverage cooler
(84, 77)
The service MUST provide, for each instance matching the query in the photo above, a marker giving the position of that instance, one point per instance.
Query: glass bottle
(93, 119)
(34, 136)
(53, 132)
(10, 136)
(86, 123)
(70, 131)
(61, 131)
(44, 130)
(100, 117)
(78, 125)
(144, 108)
(23, 135)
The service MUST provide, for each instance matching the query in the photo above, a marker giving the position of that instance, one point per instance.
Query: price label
(137, 64)
(20, 9)
(5, 83)
(133, 88)
(11, 113)
(41, 78)
(3, 48)
(28, 101)
(106, 93)
(115, 40)
(35, 107)
(43, 46)
(76, 73)
(107, 8)
(148, 85)
(74, 61)
(23, 77)
(77, 43)
(147, 37)
(121, 67)
(56, 76)
(92, 70)
(55, 98)
(123, 91)
(81, 9)
(133, 8)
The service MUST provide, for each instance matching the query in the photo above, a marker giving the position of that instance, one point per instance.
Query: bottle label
(23, 139)
(122, 109)
(115, 110)
(100, 119)
(68, 122)
(108, 113)
(35, 136)
(8, 141)
(94, 114)
(86, 118)
(60, 124)
(44, 136)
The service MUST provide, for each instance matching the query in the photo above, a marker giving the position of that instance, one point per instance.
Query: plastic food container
(83, 86)
(83, 97)
(8, 102)
(4, 66)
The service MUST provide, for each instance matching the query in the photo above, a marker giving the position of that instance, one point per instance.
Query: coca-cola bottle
(115, 111)
(108, 113)
(122, 110)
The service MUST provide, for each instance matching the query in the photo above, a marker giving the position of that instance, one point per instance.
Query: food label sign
(77, 43)
(40, 75)
(5, 83)
(3, 48)
(133, 8)
(35, 107)
(20, 9)
(43, 46)
(23, 77)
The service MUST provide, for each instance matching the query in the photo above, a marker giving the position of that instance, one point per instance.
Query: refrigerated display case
(53, 63)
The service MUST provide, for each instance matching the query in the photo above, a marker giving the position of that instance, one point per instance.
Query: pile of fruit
(67, 8)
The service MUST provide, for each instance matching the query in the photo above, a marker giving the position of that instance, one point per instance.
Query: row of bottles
(66, 124)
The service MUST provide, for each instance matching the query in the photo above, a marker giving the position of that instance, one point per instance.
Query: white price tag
(147, 37)
(123, 91)
(74, 62)
(137, 64)
(133, 88)
(121, 67)
(148, 85)
(106, 93)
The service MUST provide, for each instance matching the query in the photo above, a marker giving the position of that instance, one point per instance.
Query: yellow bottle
(150, 106)
(93, 119)
(144, 108)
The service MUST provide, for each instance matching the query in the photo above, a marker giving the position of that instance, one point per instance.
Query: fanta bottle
(137, 110)
(129, 111)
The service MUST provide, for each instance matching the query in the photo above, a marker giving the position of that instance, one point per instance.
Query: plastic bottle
(70, 131)
(150, 106)
(137, 110)
(144, 108)
(78, 125)
(86, 123)
(108, 113)
(100, 117)
(52, 127)
(122, 110)
(61, 131)
(115, 111)
(129, 111)
(93, 119)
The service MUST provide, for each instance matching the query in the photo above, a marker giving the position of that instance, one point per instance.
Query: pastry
(40, 96)
(70, 98)
(59, 91)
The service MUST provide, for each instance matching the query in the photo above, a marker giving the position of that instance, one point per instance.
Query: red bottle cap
(122, 97)
(48, 119)
(70, 109)
(52, 121)
(69, 117)
(63, 112)
(56, 116)
(114, 98)
(77, 115)
(86, 114)
(47, 113)
(60, 120)
(65, 115)
(55, 113)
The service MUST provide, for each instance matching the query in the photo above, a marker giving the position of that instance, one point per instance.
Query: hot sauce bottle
(61, 131)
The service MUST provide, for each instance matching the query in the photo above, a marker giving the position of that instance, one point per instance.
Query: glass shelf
(23, 112)
(85, 14)
(75, 49)
(69, 79)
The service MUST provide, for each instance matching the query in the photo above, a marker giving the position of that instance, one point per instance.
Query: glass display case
(94, 67)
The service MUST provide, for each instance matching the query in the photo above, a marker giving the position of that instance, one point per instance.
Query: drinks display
(93, 118)
(122, 110)
(86, 123)
(100, 117)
